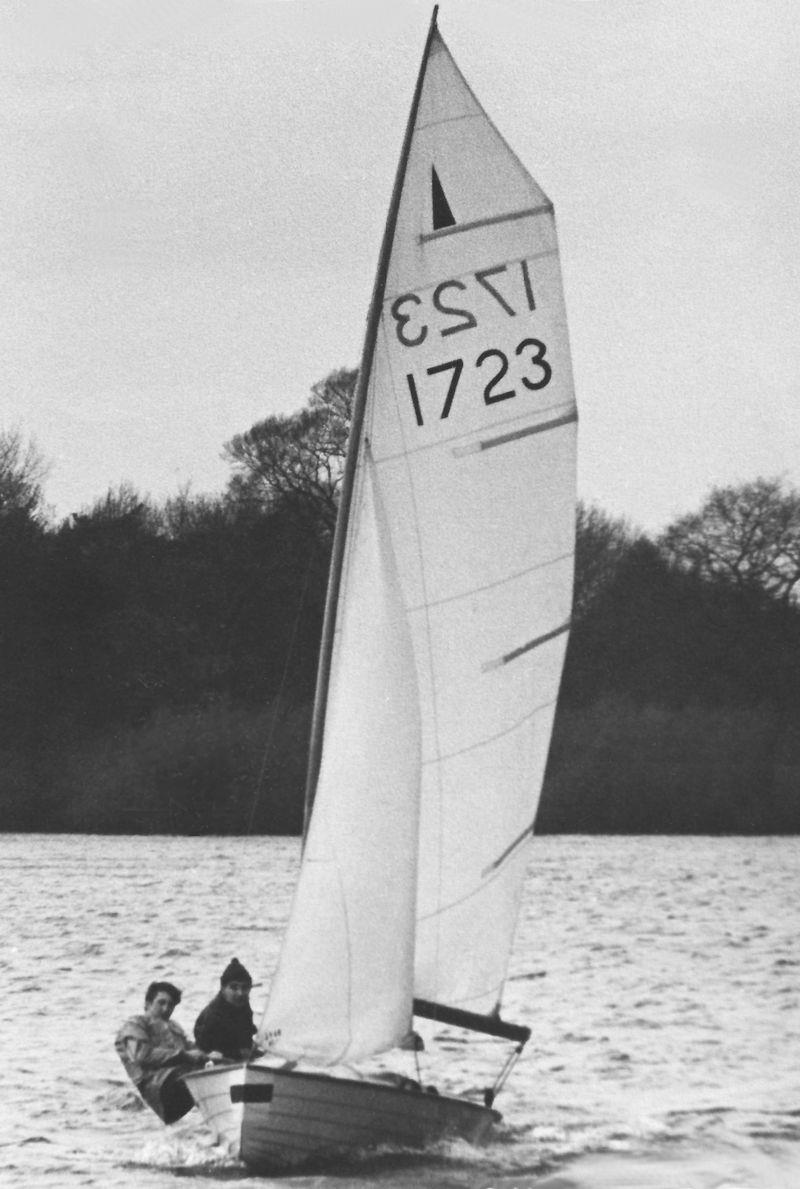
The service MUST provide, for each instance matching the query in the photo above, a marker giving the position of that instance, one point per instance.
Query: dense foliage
(157, 663)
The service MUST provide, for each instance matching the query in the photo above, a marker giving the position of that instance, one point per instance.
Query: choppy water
(661, 977)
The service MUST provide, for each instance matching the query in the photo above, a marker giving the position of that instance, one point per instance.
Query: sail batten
(513, 436)
(462, 448)
(512, 846)
(527, 647)
(517, 574)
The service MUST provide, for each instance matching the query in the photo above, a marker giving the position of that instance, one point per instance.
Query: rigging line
(476, 590)
(452, 755)
(261, 779)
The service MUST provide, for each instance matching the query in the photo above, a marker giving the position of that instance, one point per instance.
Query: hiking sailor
(156, 1052)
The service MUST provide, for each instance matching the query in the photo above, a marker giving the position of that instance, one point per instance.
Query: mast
(353, 447)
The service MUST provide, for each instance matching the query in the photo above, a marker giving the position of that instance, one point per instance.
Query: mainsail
(450, 603)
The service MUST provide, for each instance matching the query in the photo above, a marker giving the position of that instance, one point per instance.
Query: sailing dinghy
(446, 625)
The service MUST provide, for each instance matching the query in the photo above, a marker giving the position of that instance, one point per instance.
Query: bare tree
(298, 458)
(601, 543)
(185, 513)
(22, 472)
(748, 535)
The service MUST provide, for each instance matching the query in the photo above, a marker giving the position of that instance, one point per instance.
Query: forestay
(454, 602)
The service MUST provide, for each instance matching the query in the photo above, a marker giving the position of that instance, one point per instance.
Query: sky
(194, 192)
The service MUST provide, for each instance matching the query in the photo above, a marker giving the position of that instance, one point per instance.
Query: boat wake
(654, 1156)
(718, 1169)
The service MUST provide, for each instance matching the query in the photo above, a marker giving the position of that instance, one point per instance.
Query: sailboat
(446, 625)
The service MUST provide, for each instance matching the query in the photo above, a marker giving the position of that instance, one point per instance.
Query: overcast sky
(194, 192)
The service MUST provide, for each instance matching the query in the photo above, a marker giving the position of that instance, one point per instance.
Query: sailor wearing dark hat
(226, 1025)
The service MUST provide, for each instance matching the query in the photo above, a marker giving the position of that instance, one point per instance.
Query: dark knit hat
(234, 972)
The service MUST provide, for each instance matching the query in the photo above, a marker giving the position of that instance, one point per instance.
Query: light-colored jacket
(162, 1049)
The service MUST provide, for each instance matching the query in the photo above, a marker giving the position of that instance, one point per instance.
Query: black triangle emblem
(442, 215)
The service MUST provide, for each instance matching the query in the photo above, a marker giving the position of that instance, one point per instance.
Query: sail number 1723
(537, 375)
(510, 288)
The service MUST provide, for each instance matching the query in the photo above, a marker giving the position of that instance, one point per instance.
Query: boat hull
(283, 1117)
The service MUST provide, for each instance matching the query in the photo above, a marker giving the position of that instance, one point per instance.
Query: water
(661, 977)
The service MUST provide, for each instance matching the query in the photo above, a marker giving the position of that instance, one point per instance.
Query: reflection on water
(660, 977)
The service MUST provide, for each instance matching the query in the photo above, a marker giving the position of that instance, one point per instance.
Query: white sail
(344, 984)
(475, 432)
(453, 604)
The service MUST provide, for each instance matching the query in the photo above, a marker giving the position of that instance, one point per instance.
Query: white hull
(279, 1117)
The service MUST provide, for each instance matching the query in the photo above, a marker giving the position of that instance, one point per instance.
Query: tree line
(157, 660)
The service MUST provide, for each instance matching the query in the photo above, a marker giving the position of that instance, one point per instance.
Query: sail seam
(494, 991)
(452, 755)
(410, 451)
(515, 435)
(523, 648)
(481, 109)
(474, 590)
(443, 908)
(546, 208)
(349, 949)
(389, 297)
(406, 456)
(464, 115)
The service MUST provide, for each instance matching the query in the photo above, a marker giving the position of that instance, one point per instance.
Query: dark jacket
(227, 1029)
